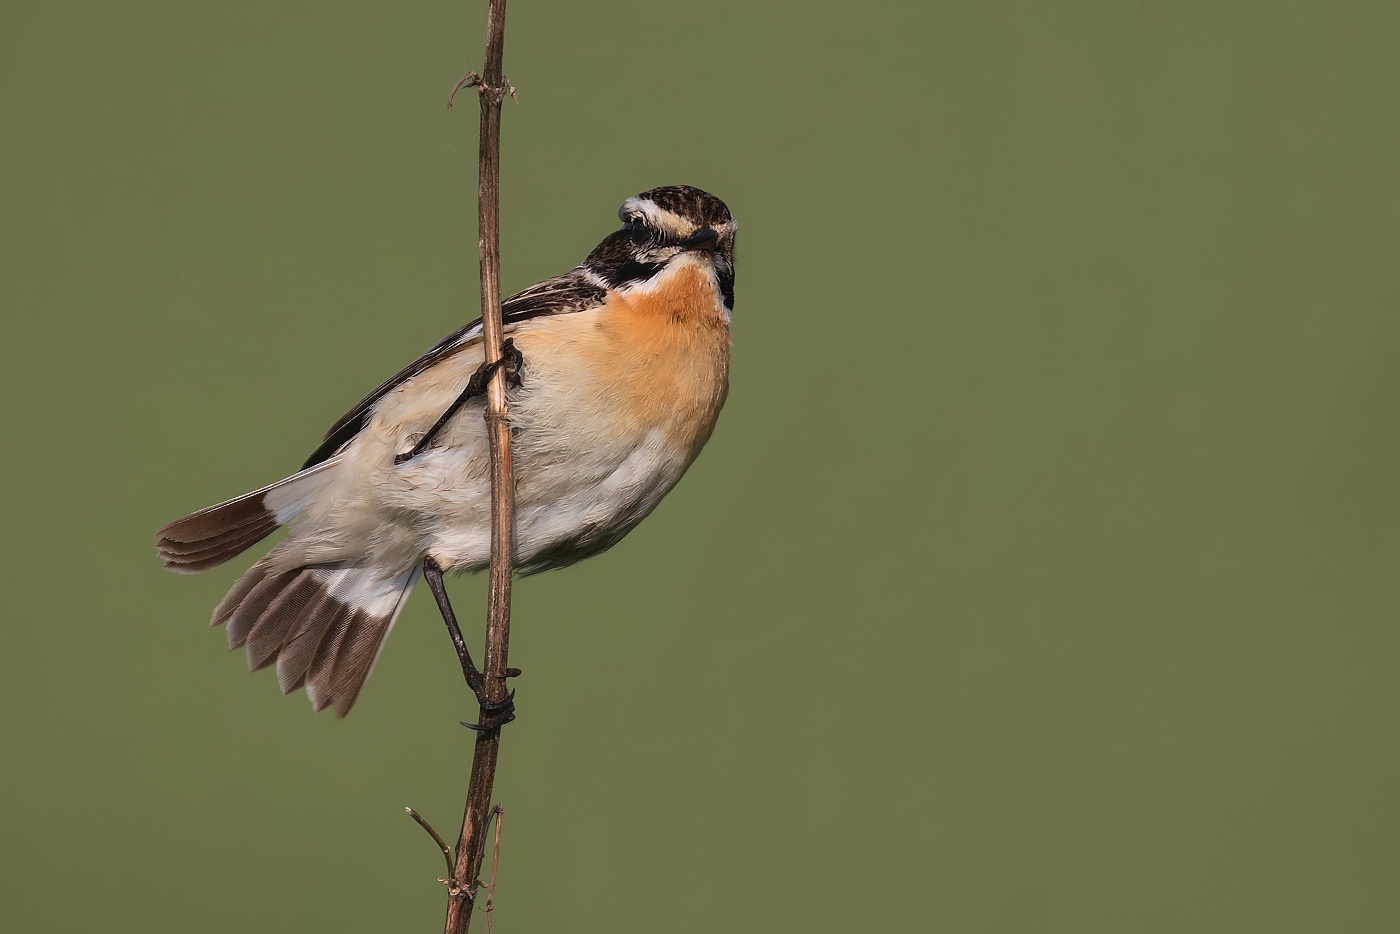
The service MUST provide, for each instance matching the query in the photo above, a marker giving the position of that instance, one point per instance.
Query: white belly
(569, 508)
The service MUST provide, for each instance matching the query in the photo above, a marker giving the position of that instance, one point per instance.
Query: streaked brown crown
(698, 207)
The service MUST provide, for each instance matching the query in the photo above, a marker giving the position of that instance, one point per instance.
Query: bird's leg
(511, 359)
(432, 573)
(495, 713)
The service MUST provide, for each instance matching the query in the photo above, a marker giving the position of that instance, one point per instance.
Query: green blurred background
(1041, 575)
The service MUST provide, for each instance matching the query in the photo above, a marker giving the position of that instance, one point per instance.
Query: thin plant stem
(491, 87)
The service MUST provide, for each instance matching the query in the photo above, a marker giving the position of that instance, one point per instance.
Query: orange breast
(644, 362)
(669, 355)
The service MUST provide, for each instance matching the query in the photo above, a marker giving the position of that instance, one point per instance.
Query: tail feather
(280, 618)
(210, 537)
(245, 616)
(299, 651)
(359, 650)
(252, 578)
(180, 550)
(191, 557)
(323, 627)
(203, 559)
(319, 679)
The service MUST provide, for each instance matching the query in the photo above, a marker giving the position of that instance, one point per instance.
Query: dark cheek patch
(615, 261)
(631, 272)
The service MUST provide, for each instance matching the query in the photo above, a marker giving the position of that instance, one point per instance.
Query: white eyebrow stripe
(659, 216)
(671, 222)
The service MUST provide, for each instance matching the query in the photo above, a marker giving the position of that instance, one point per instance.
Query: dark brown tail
(324, 627)
(211, 536)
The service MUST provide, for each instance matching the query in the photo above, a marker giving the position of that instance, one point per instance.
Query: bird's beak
(702, 239)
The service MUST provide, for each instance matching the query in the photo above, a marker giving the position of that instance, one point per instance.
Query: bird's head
(663, 230)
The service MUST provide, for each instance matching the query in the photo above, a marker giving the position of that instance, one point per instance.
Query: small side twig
(469, 80)
(500, 812)
(437, 838)
(473, 80)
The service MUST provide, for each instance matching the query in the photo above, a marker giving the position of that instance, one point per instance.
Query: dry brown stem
(491, 88)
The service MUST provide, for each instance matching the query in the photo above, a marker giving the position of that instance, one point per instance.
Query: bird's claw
(513, 360)
(494, 713)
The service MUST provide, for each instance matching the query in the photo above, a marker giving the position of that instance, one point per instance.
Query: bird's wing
(562, 295)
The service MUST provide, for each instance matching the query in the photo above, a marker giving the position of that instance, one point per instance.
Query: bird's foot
(513, 362)
(494, 713)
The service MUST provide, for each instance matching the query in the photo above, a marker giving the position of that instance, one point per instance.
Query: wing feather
(572, 292)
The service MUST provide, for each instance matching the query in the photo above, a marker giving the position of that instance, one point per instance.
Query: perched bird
(619, 368)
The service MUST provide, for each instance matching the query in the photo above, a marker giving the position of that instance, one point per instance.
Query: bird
(617, 371)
